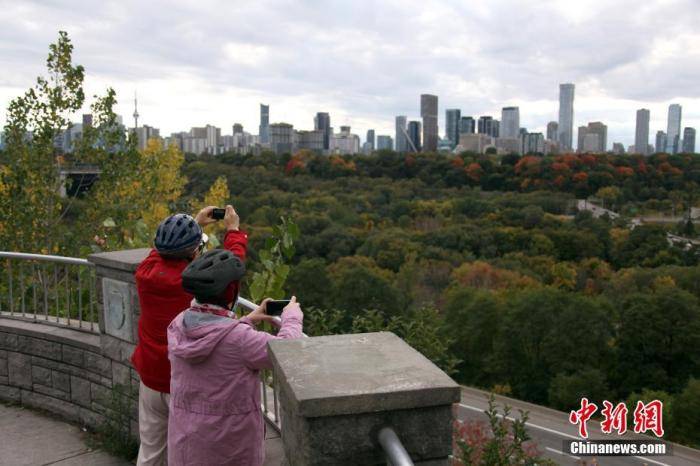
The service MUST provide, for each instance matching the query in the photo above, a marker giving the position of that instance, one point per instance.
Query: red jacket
(162, 298)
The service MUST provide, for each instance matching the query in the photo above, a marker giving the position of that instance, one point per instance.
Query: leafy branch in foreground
(503, 441)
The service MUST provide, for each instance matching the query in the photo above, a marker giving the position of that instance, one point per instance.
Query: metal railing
(267, 383)
(396, 454)
(55, 290)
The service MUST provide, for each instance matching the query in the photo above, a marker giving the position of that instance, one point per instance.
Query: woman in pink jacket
(215, 414)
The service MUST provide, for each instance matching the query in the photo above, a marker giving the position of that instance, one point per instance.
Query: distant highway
(549, 428)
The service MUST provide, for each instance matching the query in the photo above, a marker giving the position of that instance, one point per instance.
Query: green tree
(659, 332)
(566, 391)
(686, 415)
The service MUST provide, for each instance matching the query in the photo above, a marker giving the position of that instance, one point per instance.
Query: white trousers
(153, 427)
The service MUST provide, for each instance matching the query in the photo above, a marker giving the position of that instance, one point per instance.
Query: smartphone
(274, 308)
(218, 214)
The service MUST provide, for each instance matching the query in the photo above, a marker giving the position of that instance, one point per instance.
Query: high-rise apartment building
(553, 131)
(401, 134)
(510, 122)
(237, 128)
(414, 142)
(566, 116)
(689, 140)
(429, 114)
(322, 121)
(264, 124)
(593, 138)
(487, 125)
(281, 138)
(452, 122)
(532, 143)
(467, 125)
(384, 142)
(641, 134)
(370, 139)
(345, 142)
(673, 132)
(661, 140)
(310, 140)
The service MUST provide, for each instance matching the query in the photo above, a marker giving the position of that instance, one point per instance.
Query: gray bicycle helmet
(210, 274)
(178, 236)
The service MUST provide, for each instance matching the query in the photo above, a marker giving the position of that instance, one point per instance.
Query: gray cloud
(370, 60)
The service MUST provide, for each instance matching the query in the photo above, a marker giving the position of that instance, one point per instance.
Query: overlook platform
(33, 438)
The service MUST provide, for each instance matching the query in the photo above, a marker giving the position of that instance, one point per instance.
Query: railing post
(338, 392)
(117, 301)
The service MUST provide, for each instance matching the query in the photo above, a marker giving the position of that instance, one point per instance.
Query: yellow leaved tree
(130, 207)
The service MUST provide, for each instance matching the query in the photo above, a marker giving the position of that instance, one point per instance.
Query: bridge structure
(77, 179)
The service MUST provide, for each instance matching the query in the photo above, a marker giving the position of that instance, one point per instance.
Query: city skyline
(188, 75)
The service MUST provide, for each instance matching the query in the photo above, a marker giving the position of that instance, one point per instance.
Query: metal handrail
(45, 258)
(396, 454)
(56, 285)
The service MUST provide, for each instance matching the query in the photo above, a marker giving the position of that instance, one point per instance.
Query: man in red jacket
(161, 296)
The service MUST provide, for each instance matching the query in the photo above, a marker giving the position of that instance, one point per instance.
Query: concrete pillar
(118, 302)
(336, 392)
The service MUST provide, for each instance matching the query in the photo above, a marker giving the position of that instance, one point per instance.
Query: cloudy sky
(364, 61)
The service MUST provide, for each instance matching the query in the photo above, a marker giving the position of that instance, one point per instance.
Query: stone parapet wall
(64, 371)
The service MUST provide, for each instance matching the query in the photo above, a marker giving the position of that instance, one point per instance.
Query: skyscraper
(237, 128)
(689, 140)
(467, 125)
(673, 132)
(264, 124)
(429, 113)
(281, 138)
(593, 138)
(510, 122)
(401, 140)
(322, 121)
(661, 141)
(384, 142)
(487, 126)
(553, 131)
(566, 115)
(414, 144)
(452, 122)
(370, 138)
(641, 134)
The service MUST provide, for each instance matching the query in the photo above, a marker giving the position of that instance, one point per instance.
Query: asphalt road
(549, 428)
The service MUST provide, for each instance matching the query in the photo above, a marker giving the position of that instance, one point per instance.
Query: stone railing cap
(360, 373)
(127, 260)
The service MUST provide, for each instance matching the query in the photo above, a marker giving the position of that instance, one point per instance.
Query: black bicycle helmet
(210, 274)
(178, 236)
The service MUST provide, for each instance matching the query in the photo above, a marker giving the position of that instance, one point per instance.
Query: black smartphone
(218, 214)
(274, 308)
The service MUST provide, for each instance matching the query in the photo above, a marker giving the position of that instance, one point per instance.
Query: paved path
(29, 438)
(549, 428)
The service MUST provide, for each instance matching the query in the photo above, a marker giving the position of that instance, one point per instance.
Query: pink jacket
(215, 415)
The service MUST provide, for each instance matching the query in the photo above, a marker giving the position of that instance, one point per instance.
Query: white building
(345, 142)
(474, 142)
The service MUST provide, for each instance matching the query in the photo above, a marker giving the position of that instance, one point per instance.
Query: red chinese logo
(649, 417)
(615, 419)
(582, 416)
